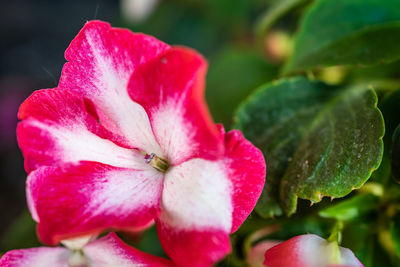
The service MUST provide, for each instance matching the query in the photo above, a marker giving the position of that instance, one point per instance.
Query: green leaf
(150, 243)
(352, 208)
(277, 10)
(361, 238)
(390, 109)
(317, 140)
(396, 154)
(395, 234)
(347, 32)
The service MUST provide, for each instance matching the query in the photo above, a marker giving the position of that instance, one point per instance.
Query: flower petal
(36, 257)
(255, 257)
(245, 167)
(196, 248)
(197, 195)
(196, 209)
(309, 251)
(206, 200)
(56, 129)
(171, 90)
(90, 197)
(101, 61)
(111, 251)
(104, 252)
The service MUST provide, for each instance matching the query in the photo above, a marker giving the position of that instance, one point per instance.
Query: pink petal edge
(36, 257)
(111, 251)
(104, 252)
(308, 251)
(92, 197)
(193, 248)
(101, 59)
(171, 90)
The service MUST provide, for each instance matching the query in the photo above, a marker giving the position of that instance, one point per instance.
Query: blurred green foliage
(351, 209)
(232, 76)
(347, 32)
(21, 234)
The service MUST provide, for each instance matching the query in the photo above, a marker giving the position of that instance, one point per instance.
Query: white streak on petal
(109, 251)
(319, 252)
(128, 190)
(173, 132)
(348, 257)
(77, 242)
(197, 195)
(31, 202)
(76, 143)
(113, 75)
(36, 257)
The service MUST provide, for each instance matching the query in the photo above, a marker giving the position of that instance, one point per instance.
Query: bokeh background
(35, 33)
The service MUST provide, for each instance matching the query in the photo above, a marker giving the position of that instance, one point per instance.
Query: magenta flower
(310, 251)
(126, 139)
(104, 252)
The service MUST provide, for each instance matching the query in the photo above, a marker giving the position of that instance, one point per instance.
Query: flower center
(77, 259)
(156, 162)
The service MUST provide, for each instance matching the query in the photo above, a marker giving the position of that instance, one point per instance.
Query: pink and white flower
(126, 139)
(310, 251)
(255, 257)
(104, 252)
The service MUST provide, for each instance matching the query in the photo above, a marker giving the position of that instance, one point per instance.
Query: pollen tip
(148, 158)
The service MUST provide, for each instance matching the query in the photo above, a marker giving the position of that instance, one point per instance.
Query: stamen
(156, 162)
(77, 259)
(75, 245)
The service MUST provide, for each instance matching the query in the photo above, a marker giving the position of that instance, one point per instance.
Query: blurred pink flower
(310, 251)
(104, 252)
(126, 138)
(255, 257)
